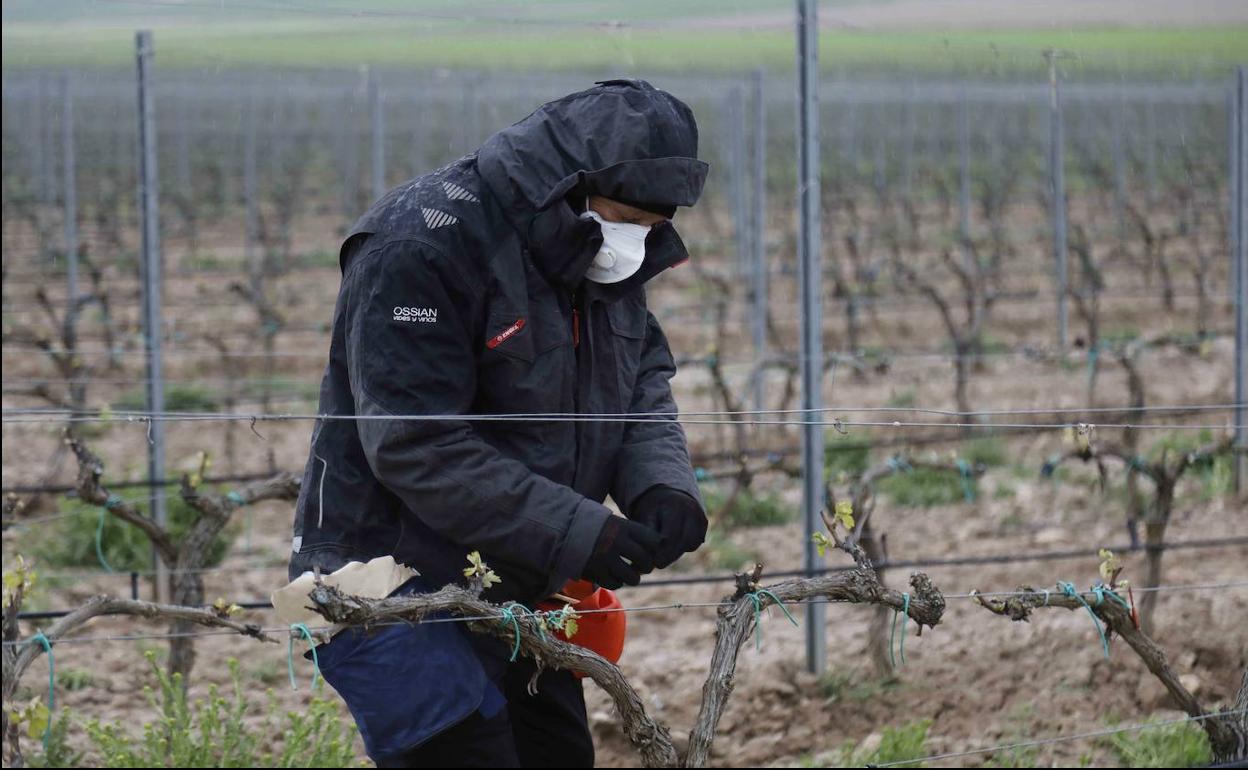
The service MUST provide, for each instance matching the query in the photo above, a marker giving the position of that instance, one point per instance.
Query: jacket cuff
(675, 479)
(578, 544)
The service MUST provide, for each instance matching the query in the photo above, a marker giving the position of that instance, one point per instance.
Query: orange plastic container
(602, 632)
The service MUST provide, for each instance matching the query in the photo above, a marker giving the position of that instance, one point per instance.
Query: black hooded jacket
(462, 297)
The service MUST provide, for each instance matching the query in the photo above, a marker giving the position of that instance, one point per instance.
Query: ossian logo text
(423, 315)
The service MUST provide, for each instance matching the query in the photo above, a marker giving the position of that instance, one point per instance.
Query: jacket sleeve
(655, 452)
(411, 347)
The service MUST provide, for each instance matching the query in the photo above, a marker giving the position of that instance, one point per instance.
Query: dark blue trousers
(545, 729)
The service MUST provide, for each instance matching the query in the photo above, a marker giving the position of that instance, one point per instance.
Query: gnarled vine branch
(1228, 735)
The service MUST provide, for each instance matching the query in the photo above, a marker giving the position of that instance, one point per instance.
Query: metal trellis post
(251, 224)
(812, 316)
(1120, 163)
(377, 119)
(964, 173)
(1057, 180)
(152, 326)
(735, 114)
(71, 211)
(758, 245)
(1239, 176)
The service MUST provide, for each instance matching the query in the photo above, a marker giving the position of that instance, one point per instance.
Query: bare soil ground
(981, 679)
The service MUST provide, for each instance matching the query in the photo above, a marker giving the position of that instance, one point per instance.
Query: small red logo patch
(505, 334)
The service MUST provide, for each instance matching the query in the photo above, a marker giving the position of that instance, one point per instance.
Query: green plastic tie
(1101, 591)
(539, 618)
(1068, 589)
(509, 615)
(899, 464)
(559, 619)
(905, 611)
(234, 497)
(1093, 358)
(47, 647)
(290, 654)
(968, 487)
(758, 609)
(99, 538)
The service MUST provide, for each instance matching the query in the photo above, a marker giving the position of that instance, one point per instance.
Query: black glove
(621, 539)
(674, 515)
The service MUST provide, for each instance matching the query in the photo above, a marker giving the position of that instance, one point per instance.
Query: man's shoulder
(441, 217)
(443, 209)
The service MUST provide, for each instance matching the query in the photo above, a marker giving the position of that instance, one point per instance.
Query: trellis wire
(19, 489)
(1025, 350)
(600, 611)
(1222, 542)
(711, 579)
(19, 416)
(129, 415)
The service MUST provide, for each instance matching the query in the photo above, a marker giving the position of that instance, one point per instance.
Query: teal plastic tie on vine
(905, 613)
(290, 654)
(699, 474)
(99, 541)
(47, 647)
(1101, 591)
(509, 615)
(758, 610)
(899, 464)
(235, 497)
(968, 487)
(1093, 357)
(560, 618)
(1068, 589)
(905, 621)
(538, 617)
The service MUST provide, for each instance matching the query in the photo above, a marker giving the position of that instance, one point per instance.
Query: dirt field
(981, 679)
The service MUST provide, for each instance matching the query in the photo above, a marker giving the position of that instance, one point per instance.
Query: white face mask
(622, 252)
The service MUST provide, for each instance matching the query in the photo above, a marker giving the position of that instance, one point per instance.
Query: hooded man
(509, 282)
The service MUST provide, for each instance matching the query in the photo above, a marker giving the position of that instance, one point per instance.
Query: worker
(508, 282)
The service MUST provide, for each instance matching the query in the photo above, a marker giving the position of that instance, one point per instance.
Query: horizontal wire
(20, 489)
(890, 301)
(1145, 590)
(599, 611)
(172, 352)
(1223, 542)
(40, 415)
(242, 381)
(968, 561)
(19, 524)
(834, 424)
(869, 354)
(247, 331)
(141, 414)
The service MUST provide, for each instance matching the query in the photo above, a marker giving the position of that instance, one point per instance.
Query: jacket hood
(622, 139)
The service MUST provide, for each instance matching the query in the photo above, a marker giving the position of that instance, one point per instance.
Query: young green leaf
(844, 513)
(822, 542)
